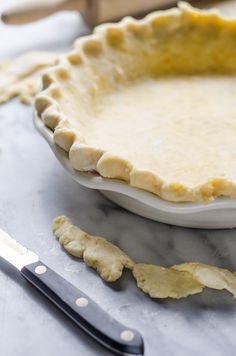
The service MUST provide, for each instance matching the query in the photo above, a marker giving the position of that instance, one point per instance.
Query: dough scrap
(107, 259)
(22, 75)
(160, 282)
(211, 276)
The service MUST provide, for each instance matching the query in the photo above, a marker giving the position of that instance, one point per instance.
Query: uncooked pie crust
(151, 102)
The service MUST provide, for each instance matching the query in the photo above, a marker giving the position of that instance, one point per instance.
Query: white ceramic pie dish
(218, 214)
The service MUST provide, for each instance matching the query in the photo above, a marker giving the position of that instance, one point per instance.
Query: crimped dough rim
(87, 158)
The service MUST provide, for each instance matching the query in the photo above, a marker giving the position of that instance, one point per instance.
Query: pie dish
(150, 102)
(219, 214)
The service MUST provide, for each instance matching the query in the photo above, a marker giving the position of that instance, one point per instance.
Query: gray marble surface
(34, 189)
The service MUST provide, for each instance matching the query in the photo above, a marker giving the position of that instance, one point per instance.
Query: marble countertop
(34, 189)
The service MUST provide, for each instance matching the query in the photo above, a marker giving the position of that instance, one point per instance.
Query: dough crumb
(107, 259)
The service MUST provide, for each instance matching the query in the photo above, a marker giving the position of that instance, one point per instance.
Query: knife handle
(83, 311)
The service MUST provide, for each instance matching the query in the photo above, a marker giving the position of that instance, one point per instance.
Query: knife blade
(73, 302)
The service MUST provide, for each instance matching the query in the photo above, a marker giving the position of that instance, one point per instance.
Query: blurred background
(54, 24)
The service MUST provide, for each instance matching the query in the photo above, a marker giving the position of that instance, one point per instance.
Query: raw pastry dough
(177, 282)
(160, 282)
(151, 102)
(22, 76)
(98, 253)
(211, 276)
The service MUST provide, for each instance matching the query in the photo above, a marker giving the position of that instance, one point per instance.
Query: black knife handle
(83, 311)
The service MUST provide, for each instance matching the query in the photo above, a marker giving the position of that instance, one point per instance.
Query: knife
(73, 302)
